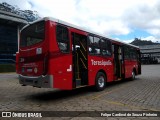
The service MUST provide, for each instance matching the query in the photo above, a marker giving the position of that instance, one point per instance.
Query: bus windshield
(32, 34)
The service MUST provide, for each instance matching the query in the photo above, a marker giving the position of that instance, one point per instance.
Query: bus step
(81, 86)
(78, 82)
(118, 79)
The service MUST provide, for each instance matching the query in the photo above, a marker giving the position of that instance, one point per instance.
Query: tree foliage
(26, 14)
(140, 42)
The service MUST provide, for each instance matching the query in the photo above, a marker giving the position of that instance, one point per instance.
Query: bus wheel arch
(135, 71)
(100, 80)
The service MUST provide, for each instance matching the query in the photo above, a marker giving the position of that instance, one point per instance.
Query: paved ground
(142, 94)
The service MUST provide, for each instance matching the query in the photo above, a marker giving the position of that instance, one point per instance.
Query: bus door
(118, 62)
(80, 60)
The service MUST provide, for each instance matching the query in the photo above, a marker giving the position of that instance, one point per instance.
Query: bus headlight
(35, 70)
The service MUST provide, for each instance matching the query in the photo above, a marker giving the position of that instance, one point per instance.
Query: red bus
(56, 54)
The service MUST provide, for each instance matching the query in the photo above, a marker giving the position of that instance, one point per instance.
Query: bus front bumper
(38, 81)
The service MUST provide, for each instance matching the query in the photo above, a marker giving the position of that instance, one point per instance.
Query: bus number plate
(29, 70)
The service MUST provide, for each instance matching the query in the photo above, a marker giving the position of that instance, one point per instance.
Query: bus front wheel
(100, 82)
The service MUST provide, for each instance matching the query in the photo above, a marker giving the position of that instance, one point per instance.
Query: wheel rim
(101, 81)
(133, 75)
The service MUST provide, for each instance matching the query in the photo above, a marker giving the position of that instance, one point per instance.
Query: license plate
(29, 70)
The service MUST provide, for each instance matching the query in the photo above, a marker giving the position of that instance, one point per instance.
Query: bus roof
(80, 28)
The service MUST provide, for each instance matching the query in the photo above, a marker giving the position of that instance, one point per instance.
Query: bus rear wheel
(100, 82)
(133, 75)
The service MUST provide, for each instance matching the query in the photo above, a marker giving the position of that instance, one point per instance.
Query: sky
(123, 20)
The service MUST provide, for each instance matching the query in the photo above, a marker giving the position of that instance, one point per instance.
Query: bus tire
(100, 82)
(133, 75)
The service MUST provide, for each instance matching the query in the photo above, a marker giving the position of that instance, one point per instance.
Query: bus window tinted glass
(96, 41)
(32, 34)
(97, 46)
(130, 53)
(62, 38)
(90, 43)
(105, 47)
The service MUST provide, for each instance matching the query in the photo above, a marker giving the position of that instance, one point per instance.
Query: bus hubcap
(133, 75)
(101, 81)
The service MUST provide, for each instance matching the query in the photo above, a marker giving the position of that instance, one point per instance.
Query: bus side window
(97, 46)
(126, 52)
(62, 38)
(91, 48)
(105, 47)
